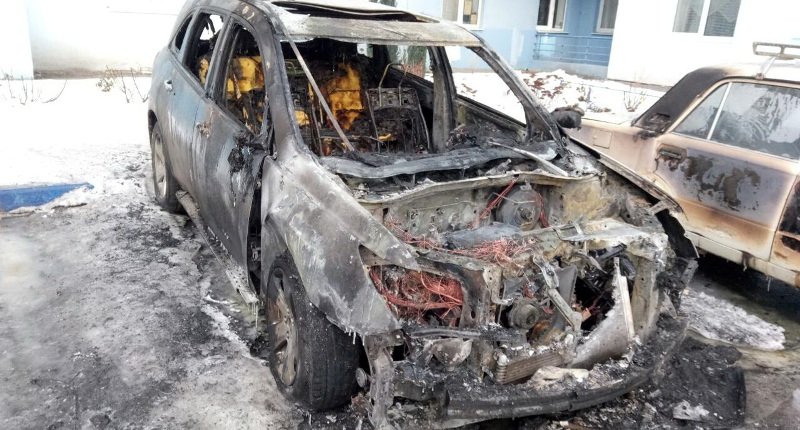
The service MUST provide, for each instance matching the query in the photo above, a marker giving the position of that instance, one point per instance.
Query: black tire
(164, 184)
(325, 358)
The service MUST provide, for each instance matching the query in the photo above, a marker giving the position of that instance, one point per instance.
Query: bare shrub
(124, 81)
(26, 91)
(633, 98)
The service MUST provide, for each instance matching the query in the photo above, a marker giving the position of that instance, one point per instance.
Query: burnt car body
(724, 142)
(402, 236)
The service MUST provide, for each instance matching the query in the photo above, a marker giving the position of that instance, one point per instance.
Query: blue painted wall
(579, 48)
(509, 27)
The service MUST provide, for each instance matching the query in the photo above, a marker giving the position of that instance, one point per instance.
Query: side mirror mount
(568, 116)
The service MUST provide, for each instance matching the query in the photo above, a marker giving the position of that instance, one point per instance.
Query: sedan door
(229, 148)
(731, 163)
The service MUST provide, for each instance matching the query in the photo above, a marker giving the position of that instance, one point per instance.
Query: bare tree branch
(58, 95)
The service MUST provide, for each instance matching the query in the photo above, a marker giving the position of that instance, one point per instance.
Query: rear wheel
(164, 184)
(313, 361)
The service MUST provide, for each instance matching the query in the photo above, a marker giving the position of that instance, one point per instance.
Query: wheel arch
(151, 120)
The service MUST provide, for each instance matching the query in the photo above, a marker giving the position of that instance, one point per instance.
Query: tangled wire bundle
(416, 293)
(496, 251)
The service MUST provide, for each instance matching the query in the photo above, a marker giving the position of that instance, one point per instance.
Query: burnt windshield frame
(539, 126)
(536, 117)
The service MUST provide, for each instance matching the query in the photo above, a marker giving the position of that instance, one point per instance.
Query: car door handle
(203, 128)
(168, 85)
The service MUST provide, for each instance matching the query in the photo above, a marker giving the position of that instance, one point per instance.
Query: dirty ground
(115, 315)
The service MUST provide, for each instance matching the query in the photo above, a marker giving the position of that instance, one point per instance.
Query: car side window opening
(415, 60)
(177, 43)
(244, 92)
(759, 117)
(475, 81)
(206, 36)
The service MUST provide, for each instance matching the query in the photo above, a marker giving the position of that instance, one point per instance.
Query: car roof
(361, 22)
(667, 109)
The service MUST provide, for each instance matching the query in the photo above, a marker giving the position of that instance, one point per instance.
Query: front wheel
(164, 184)
(313, 362)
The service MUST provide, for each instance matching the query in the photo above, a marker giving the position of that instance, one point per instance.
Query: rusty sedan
(406, 244)
(724, 142)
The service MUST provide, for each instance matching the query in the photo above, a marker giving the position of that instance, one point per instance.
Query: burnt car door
(186, 87)
(731, 163)
(164, 97)
(232, 127)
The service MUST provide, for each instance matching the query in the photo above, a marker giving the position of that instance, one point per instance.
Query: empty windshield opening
(392, 99)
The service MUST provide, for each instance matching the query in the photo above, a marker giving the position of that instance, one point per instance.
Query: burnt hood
(381, 166)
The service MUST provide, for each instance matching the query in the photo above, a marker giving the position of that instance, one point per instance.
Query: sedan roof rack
(775, 51)
(782, 51)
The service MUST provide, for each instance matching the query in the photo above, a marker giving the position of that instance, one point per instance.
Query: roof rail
(781, 51)
(775, 51)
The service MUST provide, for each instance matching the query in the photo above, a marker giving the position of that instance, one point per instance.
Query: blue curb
(13, 198)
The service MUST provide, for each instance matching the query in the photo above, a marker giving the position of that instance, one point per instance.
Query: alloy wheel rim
(281, 323)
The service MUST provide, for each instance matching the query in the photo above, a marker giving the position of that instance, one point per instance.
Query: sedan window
(698, 123)
(765, 118)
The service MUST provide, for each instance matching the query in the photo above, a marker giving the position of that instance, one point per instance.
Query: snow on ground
(720, 320)
(85, 135)
(113, 314)
(604, 100)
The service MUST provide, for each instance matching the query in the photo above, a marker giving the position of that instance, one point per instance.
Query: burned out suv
(396, 234)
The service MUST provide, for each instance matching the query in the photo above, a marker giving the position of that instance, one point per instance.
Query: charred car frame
(398, 235)
(724, 142)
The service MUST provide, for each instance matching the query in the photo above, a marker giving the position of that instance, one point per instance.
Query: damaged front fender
(322, 228)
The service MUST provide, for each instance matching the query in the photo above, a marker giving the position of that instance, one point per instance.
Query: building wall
(579, 48)
(15, 48)
(90, 35)
(645, 49)
(508, 26)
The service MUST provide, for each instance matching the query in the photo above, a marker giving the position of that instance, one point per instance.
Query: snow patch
(208, 298)
(222, 327)
(722, 321)
(603, 100)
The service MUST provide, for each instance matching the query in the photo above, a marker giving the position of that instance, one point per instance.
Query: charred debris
(530, 253)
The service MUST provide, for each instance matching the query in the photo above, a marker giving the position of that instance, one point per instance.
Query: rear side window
(205, 38)
(759, 117)
(244, 94)
(177, 43)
